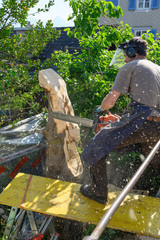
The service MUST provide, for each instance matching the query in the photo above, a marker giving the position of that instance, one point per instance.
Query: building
(62, 43)
(19, 30)
(141, 15)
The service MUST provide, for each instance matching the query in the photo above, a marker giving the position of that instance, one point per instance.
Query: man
(140, 78)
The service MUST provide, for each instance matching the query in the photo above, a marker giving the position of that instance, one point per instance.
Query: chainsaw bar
(74, 119)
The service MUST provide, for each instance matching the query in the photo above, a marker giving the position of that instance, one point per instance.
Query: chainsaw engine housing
(102, 119)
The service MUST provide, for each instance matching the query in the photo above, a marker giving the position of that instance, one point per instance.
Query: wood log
(62, 157)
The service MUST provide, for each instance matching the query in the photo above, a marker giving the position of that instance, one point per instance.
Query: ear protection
(130, 50)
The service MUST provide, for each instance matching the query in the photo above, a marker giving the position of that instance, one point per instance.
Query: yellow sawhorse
(137, 214)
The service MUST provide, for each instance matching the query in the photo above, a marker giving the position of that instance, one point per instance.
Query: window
(139, 32)
(143, 4)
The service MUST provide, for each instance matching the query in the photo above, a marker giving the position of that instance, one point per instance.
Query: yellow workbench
(137, 214)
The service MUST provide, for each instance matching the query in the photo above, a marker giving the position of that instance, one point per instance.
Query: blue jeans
(96, 151)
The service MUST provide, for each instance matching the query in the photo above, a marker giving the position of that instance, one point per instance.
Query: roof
(61, 43)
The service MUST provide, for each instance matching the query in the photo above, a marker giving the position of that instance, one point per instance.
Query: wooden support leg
(32, 223)
(19, 217)
(10, 222)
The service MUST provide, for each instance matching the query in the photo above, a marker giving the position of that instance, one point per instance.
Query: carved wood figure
(62, 157)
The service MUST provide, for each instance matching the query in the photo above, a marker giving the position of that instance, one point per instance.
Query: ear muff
(130, 51)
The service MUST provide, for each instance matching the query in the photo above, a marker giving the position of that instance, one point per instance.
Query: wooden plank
(138, 213)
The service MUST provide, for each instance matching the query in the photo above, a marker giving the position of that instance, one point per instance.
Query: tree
(87, 74)
(86, 14)
(19, 57)
(16, 11)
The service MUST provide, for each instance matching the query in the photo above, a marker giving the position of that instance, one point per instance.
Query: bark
(62, 157)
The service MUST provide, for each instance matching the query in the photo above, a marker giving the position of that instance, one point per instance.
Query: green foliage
(155, 182)
(19, 59)
(87, 74)
(154, 47)
(108, 233)
(13, 11)
(86, 14)
(128, 158)
(2, 224)
(86, 86)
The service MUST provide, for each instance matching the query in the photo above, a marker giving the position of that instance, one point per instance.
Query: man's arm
(110, 100)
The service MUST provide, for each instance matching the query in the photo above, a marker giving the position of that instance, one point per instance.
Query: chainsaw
(100, 119)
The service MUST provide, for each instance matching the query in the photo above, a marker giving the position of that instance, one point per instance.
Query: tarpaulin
(21, 149)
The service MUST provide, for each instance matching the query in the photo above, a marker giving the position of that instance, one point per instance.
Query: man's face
(128, 59)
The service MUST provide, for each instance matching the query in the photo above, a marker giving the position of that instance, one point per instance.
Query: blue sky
(58, 13)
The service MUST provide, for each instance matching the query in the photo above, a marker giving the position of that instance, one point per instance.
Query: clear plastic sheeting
(27, 140)
(21, 150)
(25, 126)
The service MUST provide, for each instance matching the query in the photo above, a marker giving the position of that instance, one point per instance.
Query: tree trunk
(62, 158)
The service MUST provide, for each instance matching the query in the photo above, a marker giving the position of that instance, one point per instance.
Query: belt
(153, 118)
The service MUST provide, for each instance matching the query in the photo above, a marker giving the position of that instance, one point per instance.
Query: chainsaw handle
(98, 110)
(108, 112)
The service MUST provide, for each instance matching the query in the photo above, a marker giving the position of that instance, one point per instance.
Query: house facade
(141, 15)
